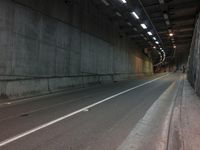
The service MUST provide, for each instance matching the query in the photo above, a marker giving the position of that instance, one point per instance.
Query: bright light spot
(149, 33)
(174, 46)
(123, 1)
(135, 15)
(157, 42)
(154, 38)
(143, 26)
(171, 34)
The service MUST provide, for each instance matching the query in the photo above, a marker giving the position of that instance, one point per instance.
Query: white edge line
(14, 138)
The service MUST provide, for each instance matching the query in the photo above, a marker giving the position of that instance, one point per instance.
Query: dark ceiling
(161, 17)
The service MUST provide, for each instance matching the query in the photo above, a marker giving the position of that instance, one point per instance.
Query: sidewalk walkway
(185, 123)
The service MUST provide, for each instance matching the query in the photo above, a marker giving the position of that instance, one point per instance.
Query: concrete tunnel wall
(49, 45)
(193, 73)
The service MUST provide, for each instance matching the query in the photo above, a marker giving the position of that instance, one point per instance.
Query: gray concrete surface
(151, 132)
(103, 127)
(193, 73)
(185, 124)
(48, 45)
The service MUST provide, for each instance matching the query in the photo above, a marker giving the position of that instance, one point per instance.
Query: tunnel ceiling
(161, 17)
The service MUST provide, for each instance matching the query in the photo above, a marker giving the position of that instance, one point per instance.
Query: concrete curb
(152, 131)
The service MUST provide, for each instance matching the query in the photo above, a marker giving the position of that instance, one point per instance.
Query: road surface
(96, 118)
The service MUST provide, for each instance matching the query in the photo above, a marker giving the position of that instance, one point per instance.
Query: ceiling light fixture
(128, 23)
(161, 1)
(166, 16)
(143, 26)
(135, 29)
(123, 1)
(154, 38)
(149, 33)
(171, 34)
(135, 15)
(105, 2)
(157, 42)
(118, 14)
(167, 22)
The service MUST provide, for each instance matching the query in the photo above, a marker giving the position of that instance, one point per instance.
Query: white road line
(14, 138)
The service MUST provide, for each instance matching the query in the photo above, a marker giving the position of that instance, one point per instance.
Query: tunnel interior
(51, 45)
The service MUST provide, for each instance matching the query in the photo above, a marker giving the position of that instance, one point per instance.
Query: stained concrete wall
(49, 45)
(194, 59)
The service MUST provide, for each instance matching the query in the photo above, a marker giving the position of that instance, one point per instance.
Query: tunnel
(99, 74)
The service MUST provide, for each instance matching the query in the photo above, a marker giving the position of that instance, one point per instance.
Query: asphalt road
(64, 122)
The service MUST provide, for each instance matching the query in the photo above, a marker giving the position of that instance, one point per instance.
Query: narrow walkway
(185, 124)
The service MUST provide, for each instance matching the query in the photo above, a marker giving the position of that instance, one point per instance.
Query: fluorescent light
(105, 2)
(143, 26)
(123, 1)
(135, 29)
(167, 22)
(161, 1)
(165, 16)
(157, 42)
(135, 15)
(171, 34)
(128, 23)
(149, 33)
(154, 38)
(118, 14)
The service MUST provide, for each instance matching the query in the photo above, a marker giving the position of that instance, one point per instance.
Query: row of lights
(172, 39)
(144, 26)
(166, 17)
(161, 52)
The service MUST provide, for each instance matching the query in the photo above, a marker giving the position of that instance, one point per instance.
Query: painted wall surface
(48, 45)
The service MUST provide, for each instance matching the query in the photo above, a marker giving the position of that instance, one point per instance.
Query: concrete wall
(49, 45)
(194, 59)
